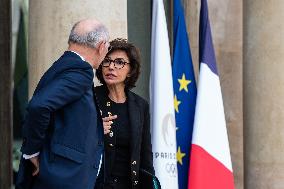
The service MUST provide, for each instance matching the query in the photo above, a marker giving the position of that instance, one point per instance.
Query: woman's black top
(121, 127)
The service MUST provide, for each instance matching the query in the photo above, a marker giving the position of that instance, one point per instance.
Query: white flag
(162, 101)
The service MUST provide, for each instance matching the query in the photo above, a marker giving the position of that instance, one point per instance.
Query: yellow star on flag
(180, 155)
(183, 83)
(176, 103)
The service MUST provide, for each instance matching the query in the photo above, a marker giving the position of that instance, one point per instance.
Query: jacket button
(111, 145)
(134, 163)
(135, 182)
(134, 173)
(111, 134)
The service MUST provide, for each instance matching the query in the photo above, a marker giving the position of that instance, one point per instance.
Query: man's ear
(101, 47)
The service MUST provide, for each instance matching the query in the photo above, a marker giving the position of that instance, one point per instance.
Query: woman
(126, 120)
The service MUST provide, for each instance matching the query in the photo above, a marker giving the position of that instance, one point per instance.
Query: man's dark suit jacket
(140, 145)
(63, 124)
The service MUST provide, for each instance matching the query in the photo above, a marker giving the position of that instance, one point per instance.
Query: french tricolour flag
(210, 163)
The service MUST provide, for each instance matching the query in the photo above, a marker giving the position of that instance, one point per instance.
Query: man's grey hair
(91, 38)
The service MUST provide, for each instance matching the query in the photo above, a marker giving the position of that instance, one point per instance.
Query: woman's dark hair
(133, 55)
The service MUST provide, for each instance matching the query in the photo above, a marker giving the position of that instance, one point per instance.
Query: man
(63, 134)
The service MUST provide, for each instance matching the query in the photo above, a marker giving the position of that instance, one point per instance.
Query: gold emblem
(108, 103)
(111, 134)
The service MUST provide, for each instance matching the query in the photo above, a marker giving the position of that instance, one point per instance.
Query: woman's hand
(107, 121)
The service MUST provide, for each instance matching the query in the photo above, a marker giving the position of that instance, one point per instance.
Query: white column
(50, 22)
(264, 94)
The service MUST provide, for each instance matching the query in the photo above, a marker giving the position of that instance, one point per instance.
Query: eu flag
(184, 93)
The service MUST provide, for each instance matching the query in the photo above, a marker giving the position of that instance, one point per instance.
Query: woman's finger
(106, 131)
(107, 123)
(109, 118)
